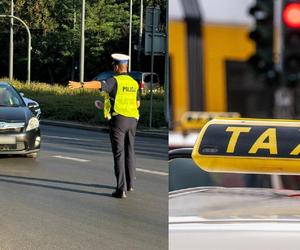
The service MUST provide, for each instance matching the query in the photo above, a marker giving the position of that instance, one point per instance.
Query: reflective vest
(107, 106)
(126, 97)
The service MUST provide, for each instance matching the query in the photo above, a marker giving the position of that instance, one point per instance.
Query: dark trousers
(122, 137)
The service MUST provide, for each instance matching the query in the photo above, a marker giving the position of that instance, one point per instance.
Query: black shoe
(130, 189)
(119, 194)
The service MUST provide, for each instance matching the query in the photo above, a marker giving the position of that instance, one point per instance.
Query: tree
(55, 28)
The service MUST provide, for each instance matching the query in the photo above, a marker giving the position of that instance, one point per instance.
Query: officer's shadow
(28, 181)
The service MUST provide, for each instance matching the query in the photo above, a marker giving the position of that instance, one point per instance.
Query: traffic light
(291, 42)
(262, 60)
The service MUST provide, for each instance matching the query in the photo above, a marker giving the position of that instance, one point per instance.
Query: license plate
(7, 140)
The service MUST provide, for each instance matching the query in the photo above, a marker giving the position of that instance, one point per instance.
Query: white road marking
(70, 158)
(13, 172)
(137, 169)
(152, 172)
(66, 138)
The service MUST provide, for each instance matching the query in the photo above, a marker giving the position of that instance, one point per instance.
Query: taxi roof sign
(249, 146)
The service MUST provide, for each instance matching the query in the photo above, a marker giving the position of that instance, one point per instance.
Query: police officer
(124, 97)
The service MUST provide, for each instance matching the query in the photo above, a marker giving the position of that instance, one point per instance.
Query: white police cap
(120, 58)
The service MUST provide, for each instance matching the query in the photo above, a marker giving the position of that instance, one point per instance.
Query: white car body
(213, 218)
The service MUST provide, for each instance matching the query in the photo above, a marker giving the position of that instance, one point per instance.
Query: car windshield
(148, 78)
(215, 203)
(9, 97)
(215, 196)
(184, 173)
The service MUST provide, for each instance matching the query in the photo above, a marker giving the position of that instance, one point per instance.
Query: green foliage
(61, 103)
(55, 28)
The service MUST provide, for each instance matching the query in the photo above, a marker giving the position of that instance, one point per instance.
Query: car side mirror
(31, 105)
(22, 94)
(35, 109)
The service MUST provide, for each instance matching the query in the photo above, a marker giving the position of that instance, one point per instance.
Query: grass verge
(60, 103)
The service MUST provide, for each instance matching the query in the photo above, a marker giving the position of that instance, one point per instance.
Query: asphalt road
(62, 200)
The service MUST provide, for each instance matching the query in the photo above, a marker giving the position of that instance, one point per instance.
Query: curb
(154, 133)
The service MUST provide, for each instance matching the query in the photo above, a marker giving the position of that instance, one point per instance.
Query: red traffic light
(291, 15)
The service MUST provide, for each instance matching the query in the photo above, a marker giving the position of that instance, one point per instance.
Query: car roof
(5, 83)
(104, 75)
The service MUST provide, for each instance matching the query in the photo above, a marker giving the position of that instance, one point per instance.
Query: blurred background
(234, 56)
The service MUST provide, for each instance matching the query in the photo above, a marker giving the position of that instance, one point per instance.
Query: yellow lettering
(271, 144)
(296, 150)
(236, 131)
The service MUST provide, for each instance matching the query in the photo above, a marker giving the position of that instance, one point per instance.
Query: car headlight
(33, 124)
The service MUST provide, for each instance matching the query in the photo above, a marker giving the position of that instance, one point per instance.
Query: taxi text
(267, 140)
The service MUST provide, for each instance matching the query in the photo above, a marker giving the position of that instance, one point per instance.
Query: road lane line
(70, 158)
(14, 171)
(67, 138)
(152, 172)
(137, 169)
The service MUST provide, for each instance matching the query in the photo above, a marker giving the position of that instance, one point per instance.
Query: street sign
(159, 45)
(152, 18)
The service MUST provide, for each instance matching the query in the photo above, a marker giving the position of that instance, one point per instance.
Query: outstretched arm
(86, 85)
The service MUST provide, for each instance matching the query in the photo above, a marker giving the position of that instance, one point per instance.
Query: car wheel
(32, 155)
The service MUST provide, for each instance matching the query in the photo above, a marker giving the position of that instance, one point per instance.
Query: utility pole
(152, 67)
(130, 28)
(140, 35)
(166, 87)
(29, 45)
(82, 41)
(74, 26)
(11, 43)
